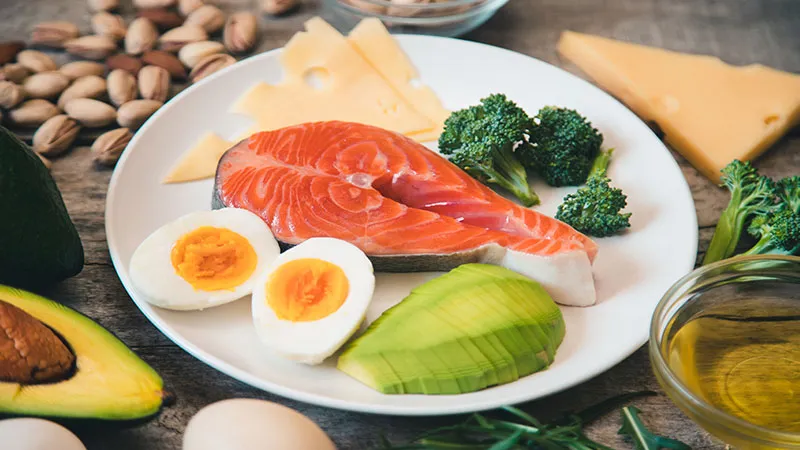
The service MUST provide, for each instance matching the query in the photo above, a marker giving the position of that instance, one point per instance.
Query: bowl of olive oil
(725, 346)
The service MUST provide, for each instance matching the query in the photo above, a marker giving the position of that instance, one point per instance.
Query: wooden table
(739, 31)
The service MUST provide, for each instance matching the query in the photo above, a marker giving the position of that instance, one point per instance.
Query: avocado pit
(30, 352)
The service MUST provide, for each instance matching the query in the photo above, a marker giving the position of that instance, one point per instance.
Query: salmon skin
(408, 208)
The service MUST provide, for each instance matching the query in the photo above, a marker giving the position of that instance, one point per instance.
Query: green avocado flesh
(109, 382)
(38, 240)
(477, 326)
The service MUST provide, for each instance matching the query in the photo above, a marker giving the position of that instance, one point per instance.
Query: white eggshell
(154, 276)
(36, 434)
(312, 342)
(249, 424)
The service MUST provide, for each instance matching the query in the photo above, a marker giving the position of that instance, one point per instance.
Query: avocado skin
(39, 243)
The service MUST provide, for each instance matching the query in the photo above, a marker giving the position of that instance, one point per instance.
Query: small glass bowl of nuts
(435, 17)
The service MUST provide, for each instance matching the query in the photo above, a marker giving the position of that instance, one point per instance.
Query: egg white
(312, 342)
(154, 276)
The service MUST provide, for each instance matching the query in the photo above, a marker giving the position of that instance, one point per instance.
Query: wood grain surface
(739, 31)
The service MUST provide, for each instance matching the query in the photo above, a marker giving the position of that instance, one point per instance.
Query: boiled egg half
(203, 259)
(312, 299)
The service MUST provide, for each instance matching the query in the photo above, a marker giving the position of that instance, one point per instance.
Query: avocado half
(476, 326)
(108, 381)
(39, 242)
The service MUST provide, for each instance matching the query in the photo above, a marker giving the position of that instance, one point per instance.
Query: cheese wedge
(373, 41)
(709, 111)
(200, 161)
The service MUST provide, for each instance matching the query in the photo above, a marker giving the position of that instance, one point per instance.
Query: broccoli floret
(595, 208)
(563, 145)
(778, 234)
(482, 139)
(788, 190)
(752, 195)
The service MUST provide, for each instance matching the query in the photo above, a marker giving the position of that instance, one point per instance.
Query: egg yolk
(306, 289)
(213, 259)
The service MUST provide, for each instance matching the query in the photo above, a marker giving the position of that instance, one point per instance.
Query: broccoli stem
(511, 175)
(601, 162)
(728, 231)
(763, 247)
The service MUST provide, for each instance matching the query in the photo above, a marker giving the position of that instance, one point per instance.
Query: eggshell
(36, 434)
(249, 424)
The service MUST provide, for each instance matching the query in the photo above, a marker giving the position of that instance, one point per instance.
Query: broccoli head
(777, 234)
(563, 145)
(752, 195)
(788, 190)
(482, 140)
(595, 208)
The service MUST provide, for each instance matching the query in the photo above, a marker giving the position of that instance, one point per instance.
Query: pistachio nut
(108, 147)
(91, 113)
(192, 53)
(36, 61)
(209, 65)
(174, 39)
(241, 31)
(208, 17)
(121, 86)
(154, 83)
(91, 47)
(45, 84)
(56, 135)
(111, 25)
(77, 69)
(11, 94)
(277, 7)
(54, 33)
(15, 73)
(187, 6)
(33, 113)
(141, 36)
(134, 113)
(90, 86)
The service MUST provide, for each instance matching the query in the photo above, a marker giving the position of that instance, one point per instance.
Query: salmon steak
(407, 207)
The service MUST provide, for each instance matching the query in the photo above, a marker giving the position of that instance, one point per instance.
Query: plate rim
(375, 408)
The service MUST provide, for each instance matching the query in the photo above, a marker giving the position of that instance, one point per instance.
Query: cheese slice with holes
(351, 89)
(200, 161)
(709, 111)
(373, 41)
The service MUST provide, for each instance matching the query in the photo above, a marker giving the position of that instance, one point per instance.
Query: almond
(240, 33)
(162, 18)
(167, 61)
(108, 147)
(111, 25)
(103, 5)
(91, 113)
(121, 86)
(208, 17)
(91, 47)
(192, 53)
(186, 7)
(142, 36)
(174, 39)
(77, 69)
(54, 34)
(128, 63)
(55, 135)
(90, 86)
(210, 64)
(277, 7)
(11, 94)
(134, 113)
(154, 83)
(33, 113)
(148, 4)
(46, 84)
(15, 73)
(9, 50)
(36, 61)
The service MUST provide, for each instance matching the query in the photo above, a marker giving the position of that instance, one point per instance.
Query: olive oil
(743, 356)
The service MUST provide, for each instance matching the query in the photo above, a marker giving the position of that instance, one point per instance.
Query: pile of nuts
(121, 74)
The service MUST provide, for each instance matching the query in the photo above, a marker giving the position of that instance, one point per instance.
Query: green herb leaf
(508, 443)
(643, 438)
(594, 412)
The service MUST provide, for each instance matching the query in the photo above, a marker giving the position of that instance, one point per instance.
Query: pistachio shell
(11, 94)
(103, 5)
(54, 34)
(111, 25)
(187, 6)
(36, 61)
(77, 69)
(90, 86)
(15, 73)
(174, 39)
(154, 83)
(192, 53)
(55, 135)
(209, 65)
(142, 36)
(33, 113)
(45, 84)
(121, 86)
(241, 31)
(91, 113)
(91, 46)
(134, 113)
(208, 17)
(108, 147)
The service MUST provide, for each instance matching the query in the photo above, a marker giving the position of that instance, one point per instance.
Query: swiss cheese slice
(373, 41)
(351, 90)
(200, 161)
(709, 111)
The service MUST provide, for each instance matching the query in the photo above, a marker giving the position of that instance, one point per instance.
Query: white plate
(631, 271)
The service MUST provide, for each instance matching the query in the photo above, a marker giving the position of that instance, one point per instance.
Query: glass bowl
(725, 346)
(434, 17)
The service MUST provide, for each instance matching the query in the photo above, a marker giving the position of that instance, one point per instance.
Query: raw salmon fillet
(404, 205)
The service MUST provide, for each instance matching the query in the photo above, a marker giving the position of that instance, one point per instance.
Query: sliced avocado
(477, 326)
(38, 240)
(108, 380)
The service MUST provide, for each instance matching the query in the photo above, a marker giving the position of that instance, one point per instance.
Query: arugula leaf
(643, 438)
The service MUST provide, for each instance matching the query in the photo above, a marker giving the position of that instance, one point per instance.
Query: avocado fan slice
(108, 380)
(39, 242)
(476, 326)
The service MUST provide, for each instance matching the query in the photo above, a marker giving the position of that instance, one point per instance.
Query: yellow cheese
(200, 161)
(373, 41)
(709, 111)
(350, 89)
